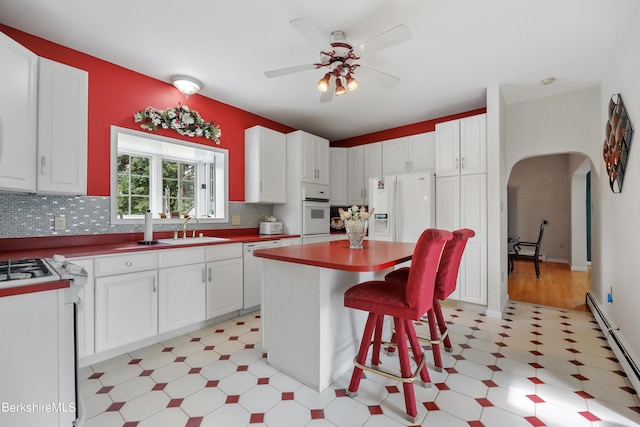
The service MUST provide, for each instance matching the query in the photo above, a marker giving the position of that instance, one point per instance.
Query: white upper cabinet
(43, 123)
(62, 129)
(356, 175)
(340, 184)
(365, 161)
(314, 156)
(461, 146)
(18, 113)
(408, 154)
(265, 154)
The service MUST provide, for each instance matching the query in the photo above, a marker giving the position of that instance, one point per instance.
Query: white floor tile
(144, 406)
(288, 413)
(131, 389)
(231, 415)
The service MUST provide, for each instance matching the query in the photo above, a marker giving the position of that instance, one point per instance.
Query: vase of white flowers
(355, 223)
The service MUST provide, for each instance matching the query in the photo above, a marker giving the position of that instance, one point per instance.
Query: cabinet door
(18, 115)
(339, 182)
(422, 151)
(224, 287)
(265, 165)
(181, 297)
(322, 161)
(62, 128)
(473, 215)
(448, 148)
(372, 166)
(356, 175)
(395, 155)
(473, 145)
(85, 310)
(126, 309)
(307, 143)
(448, 203)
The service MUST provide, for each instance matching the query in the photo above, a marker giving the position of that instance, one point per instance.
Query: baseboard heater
(624, 358)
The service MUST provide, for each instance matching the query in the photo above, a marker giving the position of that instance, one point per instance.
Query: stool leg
(377, 341)
(405, 368)
(435, 340)
(362, 353)
(391, 349)
(417, 350)
(442, 325)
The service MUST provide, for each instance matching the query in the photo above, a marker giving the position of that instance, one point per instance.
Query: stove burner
(25, 268)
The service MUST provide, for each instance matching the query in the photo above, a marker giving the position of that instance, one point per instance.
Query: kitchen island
(306, 330)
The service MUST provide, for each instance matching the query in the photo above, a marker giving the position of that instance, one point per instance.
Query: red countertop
(337, 255)
(105, 244)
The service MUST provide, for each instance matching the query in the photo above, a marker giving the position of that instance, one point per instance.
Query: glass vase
(356, 231)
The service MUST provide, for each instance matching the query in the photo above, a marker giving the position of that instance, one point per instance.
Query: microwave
(270, 227)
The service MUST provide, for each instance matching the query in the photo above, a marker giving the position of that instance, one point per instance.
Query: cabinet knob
(128, 263)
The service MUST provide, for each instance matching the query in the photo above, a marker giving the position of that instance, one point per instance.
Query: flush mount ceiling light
(186, 85)
(548, 81)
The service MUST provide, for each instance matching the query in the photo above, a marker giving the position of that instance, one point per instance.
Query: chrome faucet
(184, 226)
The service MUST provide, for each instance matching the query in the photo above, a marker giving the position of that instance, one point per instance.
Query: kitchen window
(170, 177)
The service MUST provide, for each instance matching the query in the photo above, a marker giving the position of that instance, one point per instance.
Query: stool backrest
(450, 263)
(424, 267)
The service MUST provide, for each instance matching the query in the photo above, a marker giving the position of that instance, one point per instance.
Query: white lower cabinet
(140, 295)
(181, 296)
(461, 202)
(224, 279)
(126, 308)
(224, 287)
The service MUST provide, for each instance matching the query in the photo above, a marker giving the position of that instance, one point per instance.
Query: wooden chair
(530, 250)
(405, 304)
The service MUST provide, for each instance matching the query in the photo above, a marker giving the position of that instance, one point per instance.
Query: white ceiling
(457, 49)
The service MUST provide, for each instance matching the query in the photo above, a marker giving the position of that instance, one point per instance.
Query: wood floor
(557, 286)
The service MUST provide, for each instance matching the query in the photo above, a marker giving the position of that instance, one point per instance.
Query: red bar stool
(406, 304)
(445, 285)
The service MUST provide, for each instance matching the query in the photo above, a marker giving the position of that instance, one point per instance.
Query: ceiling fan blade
(289, 70)
(309, 30)
(390, 37)
(328, 95)
(384, 79)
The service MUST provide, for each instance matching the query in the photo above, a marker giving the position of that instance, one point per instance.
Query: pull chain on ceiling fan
(341, 60)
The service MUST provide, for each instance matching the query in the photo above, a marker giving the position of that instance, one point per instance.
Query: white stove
(47, 319)
(29, 271)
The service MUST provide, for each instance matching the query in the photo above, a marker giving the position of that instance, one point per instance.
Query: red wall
(413, 129)
(116, 93)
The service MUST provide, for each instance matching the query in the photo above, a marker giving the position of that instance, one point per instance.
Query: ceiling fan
(341, 61)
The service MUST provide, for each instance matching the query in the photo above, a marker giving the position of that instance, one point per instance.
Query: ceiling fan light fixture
(340, 90)
(352, 83)
(323, 83)
(186, 85)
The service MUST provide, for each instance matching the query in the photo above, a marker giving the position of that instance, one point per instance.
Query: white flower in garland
(181, 119)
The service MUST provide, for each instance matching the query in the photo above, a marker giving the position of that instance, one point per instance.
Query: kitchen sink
(193, 240)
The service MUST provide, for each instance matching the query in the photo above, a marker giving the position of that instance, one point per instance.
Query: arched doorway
(552, 188)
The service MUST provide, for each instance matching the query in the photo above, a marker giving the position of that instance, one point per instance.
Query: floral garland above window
(182, 119)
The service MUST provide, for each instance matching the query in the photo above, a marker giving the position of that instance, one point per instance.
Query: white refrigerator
(404, 206)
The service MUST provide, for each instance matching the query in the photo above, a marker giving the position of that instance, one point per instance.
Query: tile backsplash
(27, 215)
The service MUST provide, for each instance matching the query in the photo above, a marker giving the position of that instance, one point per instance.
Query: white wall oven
(315, 213)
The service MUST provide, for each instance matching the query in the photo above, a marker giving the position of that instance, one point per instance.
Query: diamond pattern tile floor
(539, 366)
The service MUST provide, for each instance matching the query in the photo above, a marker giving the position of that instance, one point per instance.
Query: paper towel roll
(148, 227)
